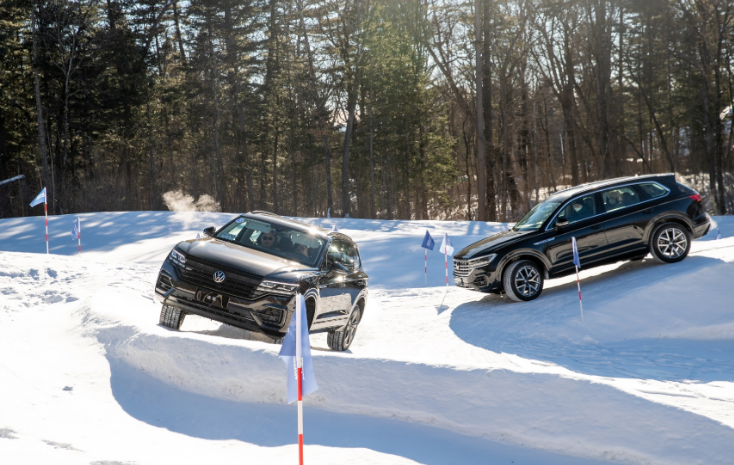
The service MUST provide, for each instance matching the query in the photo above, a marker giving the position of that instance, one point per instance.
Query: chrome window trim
(601, 189)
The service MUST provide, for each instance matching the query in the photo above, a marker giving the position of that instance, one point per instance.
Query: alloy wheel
(672, 243)
(527, 281)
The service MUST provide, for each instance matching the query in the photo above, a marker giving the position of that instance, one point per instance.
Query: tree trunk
(480, 130)
(319, 110)
(489, 159)
(39, 107)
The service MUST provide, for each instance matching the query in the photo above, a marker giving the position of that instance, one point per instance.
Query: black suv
(612, 220)
(247, 273)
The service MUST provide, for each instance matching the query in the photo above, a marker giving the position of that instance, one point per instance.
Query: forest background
(393, 109)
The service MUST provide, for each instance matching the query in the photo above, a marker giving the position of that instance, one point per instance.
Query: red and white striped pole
(299, 373)
(578, 283)
(45, 211)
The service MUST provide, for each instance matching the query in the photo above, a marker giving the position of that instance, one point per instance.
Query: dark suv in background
(612, 220)
(247, 273)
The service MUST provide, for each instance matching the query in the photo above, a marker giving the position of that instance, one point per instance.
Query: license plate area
(212, 298)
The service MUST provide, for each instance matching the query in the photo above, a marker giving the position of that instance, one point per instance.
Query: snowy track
(647, 378)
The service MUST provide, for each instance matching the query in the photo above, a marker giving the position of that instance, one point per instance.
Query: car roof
(592, 186)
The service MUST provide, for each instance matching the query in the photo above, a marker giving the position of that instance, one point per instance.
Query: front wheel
(342, 339)
(523, 281)
(671, 243)
(172, 317)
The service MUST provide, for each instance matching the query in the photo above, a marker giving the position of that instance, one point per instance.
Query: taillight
(695, 197)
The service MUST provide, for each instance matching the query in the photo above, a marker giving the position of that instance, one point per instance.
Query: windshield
(274, 239)
(537, 216)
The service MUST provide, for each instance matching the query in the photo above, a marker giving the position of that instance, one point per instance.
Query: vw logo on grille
(219, 276)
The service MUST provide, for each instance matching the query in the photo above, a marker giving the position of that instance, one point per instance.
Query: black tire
(342, 339)
(523, 281)
(670, 243)
(172, 317)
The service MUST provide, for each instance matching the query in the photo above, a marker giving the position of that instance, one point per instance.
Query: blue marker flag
(718, 234)
(76, 232)
(428, 242)
(288, 353)
(40, 198)
(576, 260)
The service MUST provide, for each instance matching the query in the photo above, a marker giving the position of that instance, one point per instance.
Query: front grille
(461, 267)
(237, 283)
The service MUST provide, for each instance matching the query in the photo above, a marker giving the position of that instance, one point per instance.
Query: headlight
(178, 258)
(270, 286)
(482, 261)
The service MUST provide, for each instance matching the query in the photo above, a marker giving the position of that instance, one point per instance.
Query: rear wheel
(342, 339)
(523, 281)
(671, 243)
(172, 317)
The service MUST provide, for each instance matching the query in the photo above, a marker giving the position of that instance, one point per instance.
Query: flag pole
(45, 212)
(425, 267)
(446, 265)
(299, 374)
(578, 283)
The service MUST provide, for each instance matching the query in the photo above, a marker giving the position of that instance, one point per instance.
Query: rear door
(628, 210)
(585, 225)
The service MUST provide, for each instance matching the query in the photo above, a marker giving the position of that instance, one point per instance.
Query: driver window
(579, 209)
(351, 259)
(335, 253)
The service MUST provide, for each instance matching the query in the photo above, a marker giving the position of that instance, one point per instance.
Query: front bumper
(480, 279)
(265, 313)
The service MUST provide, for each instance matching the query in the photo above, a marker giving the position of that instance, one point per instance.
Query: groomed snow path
(88, 377)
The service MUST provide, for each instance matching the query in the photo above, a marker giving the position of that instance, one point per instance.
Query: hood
(242, 258)
(489, 244)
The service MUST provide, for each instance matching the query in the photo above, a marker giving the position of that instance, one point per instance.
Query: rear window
(685, 189)
(652, 190)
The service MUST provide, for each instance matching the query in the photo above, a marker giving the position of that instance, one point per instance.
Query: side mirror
(561, 221)
(209, 231)
(338, 268)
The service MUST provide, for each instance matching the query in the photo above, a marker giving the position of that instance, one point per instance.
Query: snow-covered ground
(88, 377)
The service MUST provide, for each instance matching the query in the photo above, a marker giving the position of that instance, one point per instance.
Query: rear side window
(652, 190)
(619, 197)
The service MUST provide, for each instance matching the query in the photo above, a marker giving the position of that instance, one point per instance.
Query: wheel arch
(531, 255)
(666, 218)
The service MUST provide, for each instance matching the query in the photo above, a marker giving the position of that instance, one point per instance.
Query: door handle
(596, 227)
(649, 210)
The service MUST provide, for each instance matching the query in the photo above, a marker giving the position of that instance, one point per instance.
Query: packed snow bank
(150, 396)
(646, 378)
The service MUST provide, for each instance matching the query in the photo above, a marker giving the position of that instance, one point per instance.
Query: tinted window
(339, 252)
(652, 190)
(351, 257)
(535, 218)
(619, 197)
(579, 209)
